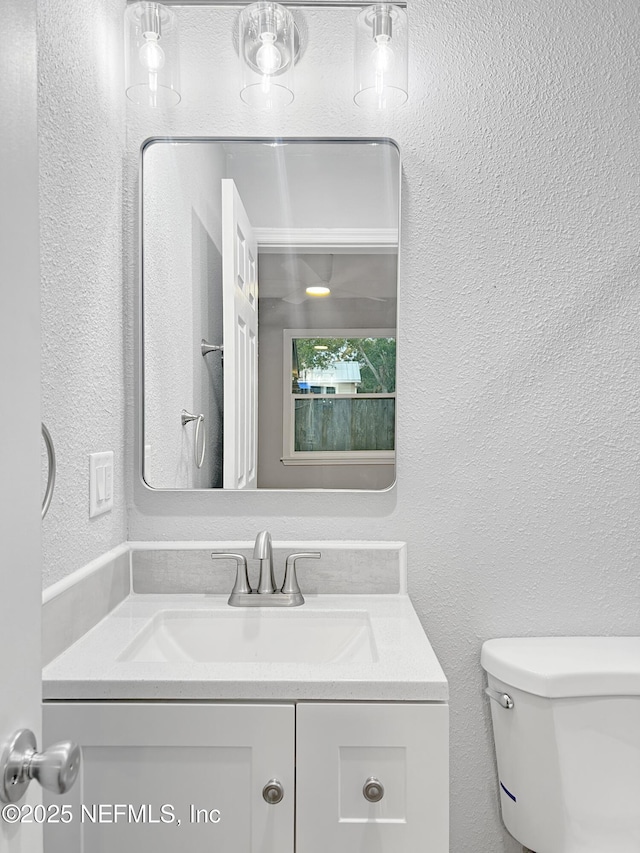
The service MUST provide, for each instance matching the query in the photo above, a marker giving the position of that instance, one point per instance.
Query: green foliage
(376, 357)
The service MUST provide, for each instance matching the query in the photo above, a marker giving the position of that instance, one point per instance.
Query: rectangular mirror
(269, 272)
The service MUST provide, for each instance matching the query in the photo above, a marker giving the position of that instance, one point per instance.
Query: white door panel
(20, 498)
(341, 746)
(240, 324)
(207, 764)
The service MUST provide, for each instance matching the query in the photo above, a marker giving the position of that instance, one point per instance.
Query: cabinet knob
(373, 790)
(273, 792)
(55, 769)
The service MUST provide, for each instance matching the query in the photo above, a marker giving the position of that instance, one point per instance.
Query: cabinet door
(206, 765)
(339, 747)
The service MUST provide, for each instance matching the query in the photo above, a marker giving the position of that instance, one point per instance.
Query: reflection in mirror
(269, 302)
(341, 409)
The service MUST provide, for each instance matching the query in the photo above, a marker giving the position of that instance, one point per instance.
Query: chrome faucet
(266, 594)
(263, 551)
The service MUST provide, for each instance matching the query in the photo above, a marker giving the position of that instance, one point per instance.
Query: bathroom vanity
(311, 728)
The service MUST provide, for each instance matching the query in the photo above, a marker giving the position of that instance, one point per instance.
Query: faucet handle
(242, 575)
(290, 585)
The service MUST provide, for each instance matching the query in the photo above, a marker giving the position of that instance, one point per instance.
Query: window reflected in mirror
(341, 408)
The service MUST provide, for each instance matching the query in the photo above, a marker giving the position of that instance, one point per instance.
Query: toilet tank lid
(556, 667)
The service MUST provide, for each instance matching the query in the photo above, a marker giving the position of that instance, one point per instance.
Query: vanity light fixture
(269, 44)
(152, 67)
(381, 57)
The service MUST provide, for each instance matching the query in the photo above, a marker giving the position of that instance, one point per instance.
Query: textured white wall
(518, 459)
(81, 137)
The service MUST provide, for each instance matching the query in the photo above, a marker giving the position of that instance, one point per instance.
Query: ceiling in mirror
(269, 273)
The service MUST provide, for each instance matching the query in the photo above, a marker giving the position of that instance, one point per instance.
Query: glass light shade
(381, 57)
(268, 46)
(152, 62)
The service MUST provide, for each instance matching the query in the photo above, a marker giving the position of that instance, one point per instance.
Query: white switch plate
(100, 483)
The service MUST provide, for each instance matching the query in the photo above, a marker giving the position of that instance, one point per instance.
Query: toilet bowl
(566, 724)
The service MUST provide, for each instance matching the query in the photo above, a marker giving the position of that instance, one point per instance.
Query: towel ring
(51, 472)
(187, 417)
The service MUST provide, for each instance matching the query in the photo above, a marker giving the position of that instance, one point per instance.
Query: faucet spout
(262, 551)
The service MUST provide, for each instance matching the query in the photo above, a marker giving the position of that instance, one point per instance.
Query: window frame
(290, 456)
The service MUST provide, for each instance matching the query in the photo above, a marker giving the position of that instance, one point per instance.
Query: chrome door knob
(56, 769)
(373, 790)
(273, 792)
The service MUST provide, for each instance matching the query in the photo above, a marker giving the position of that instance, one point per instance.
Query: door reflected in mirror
(268, 313)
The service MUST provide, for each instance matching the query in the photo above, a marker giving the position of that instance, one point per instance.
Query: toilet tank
(568, 751)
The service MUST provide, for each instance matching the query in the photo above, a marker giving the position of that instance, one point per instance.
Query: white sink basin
(255, 637)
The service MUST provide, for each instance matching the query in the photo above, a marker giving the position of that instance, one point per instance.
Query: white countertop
(405, 668)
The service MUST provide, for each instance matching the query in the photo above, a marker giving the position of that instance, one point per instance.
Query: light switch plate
(100, 483)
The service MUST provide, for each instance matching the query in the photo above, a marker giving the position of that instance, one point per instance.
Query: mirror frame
(139, 323)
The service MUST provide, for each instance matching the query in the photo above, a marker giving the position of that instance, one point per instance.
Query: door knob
(55, 769)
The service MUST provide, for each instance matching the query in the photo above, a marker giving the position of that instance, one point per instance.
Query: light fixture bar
(290, 4)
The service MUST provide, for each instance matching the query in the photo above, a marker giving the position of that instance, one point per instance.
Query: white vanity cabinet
(206, 764)
(398, 751)
(209, 762)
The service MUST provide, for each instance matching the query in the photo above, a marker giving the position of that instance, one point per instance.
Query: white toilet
(566, 723)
